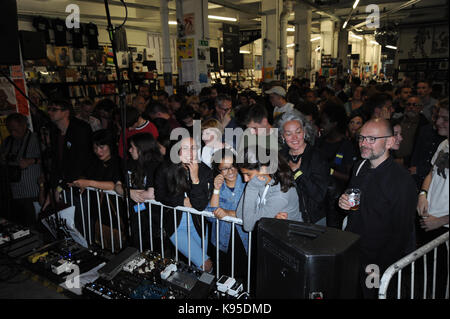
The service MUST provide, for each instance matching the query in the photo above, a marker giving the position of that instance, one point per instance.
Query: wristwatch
(423, 192)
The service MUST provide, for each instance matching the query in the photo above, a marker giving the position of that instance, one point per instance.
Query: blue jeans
(196, 241)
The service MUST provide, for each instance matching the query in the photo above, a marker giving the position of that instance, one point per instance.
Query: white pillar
(327, 37)
(284, 16)
(343, 48)
(166, 58)
(198, 35)
(302, 61)
(270, 37)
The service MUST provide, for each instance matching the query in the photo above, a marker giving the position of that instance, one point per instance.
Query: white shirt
(93, 122)
(208, 151)
(285, 108)
(438, 191)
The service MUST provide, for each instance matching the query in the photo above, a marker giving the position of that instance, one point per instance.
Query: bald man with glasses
(386, 214)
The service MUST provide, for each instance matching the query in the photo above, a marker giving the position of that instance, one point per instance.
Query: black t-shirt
(340, 155)
(42, 25)
(91, 33)
(59, 27)
(146, 178)
(106, 171)
(77, 36)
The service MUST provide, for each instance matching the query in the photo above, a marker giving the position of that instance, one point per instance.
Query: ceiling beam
(319, 10)
(386, 14)
(129, 4)
(349, 4)
(233, 6)
(362, 15)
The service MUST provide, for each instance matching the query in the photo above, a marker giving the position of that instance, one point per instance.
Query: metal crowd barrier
(85, 198)
(410, 260)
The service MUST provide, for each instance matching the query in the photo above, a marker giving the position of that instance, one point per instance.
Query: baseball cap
(277, 90)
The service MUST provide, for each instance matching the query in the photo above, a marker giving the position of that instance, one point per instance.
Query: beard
(369, 154)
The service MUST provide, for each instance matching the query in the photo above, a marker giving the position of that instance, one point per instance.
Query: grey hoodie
(250, 210)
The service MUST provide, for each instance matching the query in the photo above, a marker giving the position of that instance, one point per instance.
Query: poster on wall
(258, 62)
(187, 70)
(423, 42)
(185, 51)
(78, 56)
(11, 100)
(62, 56)
(122, 59)
(7, 98)
(268, 73)
(188, 22)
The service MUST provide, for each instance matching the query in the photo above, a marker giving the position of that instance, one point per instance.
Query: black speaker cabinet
(9, 34)
(304, 261)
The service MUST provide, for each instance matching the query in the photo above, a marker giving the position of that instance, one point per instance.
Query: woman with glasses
(184, 181)
(228, 189)
(311, 171)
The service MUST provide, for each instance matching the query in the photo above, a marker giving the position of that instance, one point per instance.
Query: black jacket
(386, 215)
(199, 194)
(71, 159)
(426, 145)
(312, 184)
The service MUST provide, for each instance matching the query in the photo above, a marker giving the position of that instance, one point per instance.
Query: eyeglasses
(54, 109)
(223, 170)
(413, 104)
(370, 139)
(189, 148)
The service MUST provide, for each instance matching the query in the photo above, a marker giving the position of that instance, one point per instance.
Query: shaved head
(377, 150)
(384, 126)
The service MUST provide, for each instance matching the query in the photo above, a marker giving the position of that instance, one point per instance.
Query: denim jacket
(228, 200)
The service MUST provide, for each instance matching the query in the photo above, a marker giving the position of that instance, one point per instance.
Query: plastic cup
(354, 197)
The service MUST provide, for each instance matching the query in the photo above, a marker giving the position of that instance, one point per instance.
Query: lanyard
(262, 200)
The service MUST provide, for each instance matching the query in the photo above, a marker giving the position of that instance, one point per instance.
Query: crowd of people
(292, 154)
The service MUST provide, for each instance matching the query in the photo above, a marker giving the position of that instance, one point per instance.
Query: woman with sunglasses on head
(228, 189)
(310, 169)
(184, 181)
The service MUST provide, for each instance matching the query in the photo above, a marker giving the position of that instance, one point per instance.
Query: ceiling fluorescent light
(244, 52)
(374, 42)
(345, 24)
(355, 36)
(291, 29)
(315, 39)
(172, 22)
(290, 45)
(355, 4)
(222, 18)
(391, 47)
(318, 48)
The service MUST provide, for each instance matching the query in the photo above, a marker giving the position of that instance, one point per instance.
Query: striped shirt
(28, 186)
